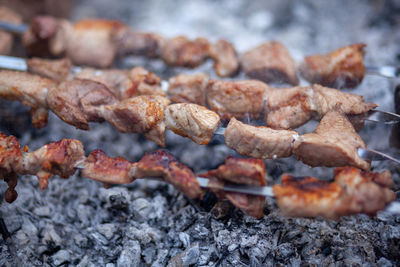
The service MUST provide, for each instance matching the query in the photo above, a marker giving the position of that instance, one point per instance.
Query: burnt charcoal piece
(397, 99)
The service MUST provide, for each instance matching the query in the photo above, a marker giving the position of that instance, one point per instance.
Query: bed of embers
(149, 222)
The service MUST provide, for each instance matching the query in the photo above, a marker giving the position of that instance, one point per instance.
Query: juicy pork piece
(240, 99)
(334, 143)
(77, 102)
(188, 88)
(193, 121)
(141, 114)
(161, 164)
(292, 107)
(31, 90)
(93, 42)
(326, 99)
(58, 158)
(352, 192)
(98, 166)
(6, 39)
(289, 107)
(259, 141)
(180, 51)
(125, 84)
(240, 171)
(342, 68)
(47, 36)
(270, 62)
(57, 70)
(225, 57)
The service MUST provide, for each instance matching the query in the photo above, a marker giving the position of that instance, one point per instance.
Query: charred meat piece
(240, 99)
(188, 88)
(334, 143)
(270, 62)
(93, 42)
(180, 51)
(240, 171)
(193, 121)
(342, 68)
(259, 141)
(10, 155)
(58, 158)
(289, 107)
(125, 84)
(29, 89)
(98, 166)
(163, 165)
(225, 57)
(57, 70)
(77, 101)
(6, 39)
(47, 36)
(352, 192)
(141, 114)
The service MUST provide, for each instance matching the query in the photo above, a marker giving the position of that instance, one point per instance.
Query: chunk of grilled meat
(193, 121)
(259, 141)
(240, 99)
(341, 68)
(334, 143)
(57, 70)
(77, 101)
(7, 39)
(180, 51)
(166, 166)
(188, 88)
(141, 114)
(352, 192)
(29, 89)
(125, 84)
(225, 57)
(292, 107)
(98, 166)
(240, 171)
(270, 62)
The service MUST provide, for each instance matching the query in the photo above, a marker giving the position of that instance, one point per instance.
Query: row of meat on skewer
(98, 43)
(352, 191)
(133, 102)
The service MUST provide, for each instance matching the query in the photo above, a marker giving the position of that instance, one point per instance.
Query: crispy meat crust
(352, 192)
(240, 171)
(341, 68)
(270, 62)
(188, 88)
(193, 121)
(98, 166)
(259, 141)
(240, 99)
(180, 51)
(334, 143)
(164, 165)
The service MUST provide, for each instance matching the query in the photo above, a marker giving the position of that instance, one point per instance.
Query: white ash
(77, 222)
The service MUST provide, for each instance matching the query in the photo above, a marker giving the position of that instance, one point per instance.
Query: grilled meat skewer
(352, 192)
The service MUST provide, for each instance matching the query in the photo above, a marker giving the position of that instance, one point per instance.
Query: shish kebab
(200, 124)
(240, 180)
(269, 62)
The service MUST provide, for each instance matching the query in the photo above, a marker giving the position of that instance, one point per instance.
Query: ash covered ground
(78, 222)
